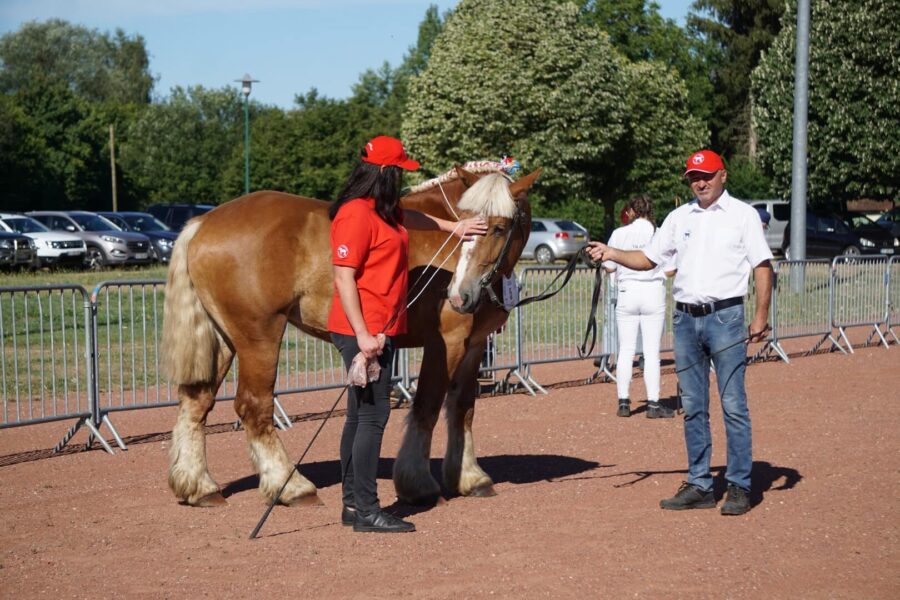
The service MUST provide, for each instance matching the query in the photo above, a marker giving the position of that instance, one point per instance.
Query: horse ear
(467, 177)
(521, 186)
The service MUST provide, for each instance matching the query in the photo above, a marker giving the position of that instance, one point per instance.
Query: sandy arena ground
(576, 515)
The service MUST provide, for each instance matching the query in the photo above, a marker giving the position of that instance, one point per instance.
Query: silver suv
(106, 244)
(554, 238)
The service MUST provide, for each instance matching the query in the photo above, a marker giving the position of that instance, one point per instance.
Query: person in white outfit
(641, 304)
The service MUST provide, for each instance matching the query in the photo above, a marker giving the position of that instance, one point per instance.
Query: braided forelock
(475, 166)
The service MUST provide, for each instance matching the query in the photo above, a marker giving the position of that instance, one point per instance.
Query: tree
(854, 102)
(95, 66)
(177, 149)
(532, 79)
(733, 34)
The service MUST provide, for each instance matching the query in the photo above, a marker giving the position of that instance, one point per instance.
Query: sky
(290, 46)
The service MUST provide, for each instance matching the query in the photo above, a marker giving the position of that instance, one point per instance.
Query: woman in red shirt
(370, 249)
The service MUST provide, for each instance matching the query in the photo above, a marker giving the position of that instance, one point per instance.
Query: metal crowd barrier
(859, 295)
(68, 355)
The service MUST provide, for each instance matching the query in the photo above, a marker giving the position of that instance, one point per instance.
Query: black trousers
(368, 410)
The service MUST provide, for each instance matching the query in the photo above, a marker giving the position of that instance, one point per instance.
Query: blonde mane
(489, 196)
(475, 166)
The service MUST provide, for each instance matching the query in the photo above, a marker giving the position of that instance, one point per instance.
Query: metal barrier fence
(68, 355)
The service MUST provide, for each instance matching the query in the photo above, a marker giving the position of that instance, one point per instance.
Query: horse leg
(254, 402)
(412, 473)
(189, 476)
(462, 473)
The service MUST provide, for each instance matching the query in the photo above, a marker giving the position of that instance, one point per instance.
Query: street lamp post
(246, 84)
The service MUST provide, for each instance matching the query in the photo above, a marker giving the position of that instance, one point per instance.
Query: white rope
(431, 262)
(447, 201)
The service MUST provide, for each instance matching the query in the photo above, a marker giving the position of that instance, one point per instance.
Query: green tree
(95, 66)
(854, 102)
(177, 149)
(732, 34)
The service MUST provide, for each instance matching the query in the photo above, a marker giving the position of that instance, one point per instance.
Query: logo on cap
(343, 251)
(697, 159)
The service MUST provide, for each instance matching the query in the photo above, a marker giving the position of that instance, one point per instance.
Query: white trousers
(640, 304)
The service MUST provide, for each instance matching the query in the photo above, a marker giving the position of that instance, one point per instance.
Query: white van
(781, 214)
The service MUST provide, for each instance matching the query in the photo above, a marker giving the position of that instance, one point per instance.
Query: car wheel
(787, 253)
(851, 251)
(544, 255)
(94, 258)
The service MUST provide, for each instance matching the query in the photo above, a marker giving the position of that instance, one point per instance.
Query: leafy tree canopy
(854, 102)
(95, 66)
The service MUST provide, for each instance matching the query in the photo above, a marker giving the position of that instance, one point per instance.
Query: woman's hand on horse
(467, 229)
(370, 345)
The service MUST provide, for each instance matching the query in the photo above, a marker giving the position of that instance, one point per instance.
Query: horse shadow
(763, 477)
(516, 469)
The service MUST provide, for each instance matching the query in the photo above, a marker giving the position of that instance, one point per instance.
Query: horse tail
(190, 340)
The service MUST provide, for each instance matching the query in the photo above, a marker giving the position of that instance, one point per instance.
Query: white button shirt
(714, 249)
(634, 236)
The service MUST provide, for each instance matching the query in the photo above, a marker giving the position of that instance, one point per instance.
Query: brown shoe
(737, 501)
(689, 496)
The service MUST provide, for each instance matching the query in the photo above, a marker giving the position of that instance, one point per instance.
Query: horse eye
(498, 230)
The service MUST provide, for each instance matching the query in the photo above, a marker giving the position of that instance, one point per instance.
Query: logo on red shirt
(343, 251)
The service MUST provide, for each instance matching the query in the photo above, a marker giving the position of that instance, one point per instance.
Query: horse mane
(475, 166)
(489, 196)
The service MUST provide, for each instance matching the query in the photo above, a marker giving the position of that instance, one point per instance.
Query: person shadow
(764, 477)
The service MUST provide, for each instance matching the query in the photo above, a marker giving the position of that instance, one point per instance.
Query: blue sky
(289, 45)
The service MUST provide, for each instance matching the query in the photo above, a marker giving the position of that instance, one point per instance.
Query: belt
(699, 310)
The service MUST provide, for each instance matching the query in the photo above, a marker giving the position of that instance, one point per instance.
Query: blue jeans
(696, 338)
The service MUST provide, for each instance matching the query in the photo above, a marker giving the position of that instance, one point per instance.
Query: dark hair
(372, 181)
(642, 206)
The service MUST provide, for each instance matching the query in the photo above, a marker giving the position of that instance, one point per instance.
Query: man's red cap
(388, 152)
(705, 161)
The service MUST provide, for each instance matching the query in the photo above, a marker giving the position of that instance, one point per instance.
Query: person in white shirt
(641, 304)
(716, 241)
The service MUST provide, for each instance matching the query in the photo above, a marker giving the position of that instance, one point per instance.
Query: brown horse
(241, 272)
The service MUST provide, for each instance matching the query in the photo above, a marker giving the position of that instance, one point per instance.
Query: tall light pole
(246, 84)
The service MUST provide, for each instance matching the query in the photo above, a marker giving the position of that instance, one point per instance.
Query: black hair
(372, 181)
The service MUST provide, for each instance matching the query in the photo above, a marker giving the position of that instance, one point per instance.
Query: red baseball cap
(388, 152)
(705, 161)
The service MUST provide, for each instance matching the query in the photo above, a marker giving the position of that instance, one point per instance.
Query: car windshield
(145, 223)
(858, 221)
(25, 225)
(94, 223)
(569, 226)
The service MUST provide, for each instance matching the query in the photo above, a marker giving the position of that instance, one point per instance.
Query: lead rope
(397, 314)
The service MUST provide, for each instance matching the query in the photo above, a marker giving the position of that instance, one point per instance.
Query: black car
(176, 215)
(891, 221)
(16, 250)
(830, 235)
(162, 239)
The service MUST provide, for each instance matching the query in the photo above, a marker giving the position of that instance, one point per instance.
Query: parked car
(830, 235)
(554, 238)
(51, 247)
(780, 211)
(16, 250)
(891, 221)
(106, 244)
(162, 239)
(176, 215)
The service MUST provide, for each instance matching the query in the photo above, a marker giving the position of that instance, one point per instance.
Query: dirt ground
(576, 515)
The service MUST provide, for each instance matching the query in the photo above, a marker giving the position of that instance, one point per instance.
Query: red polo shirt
(379, 253)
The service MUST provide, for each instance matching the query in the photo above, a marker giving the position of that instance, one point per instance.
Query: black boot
(655, 410)
(624, 408)
(348, 516)
(379, 521)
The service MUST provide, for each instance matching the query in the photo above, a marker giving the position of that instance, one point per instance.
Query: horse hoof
(309, 500)
(211, 500)
(483, 491)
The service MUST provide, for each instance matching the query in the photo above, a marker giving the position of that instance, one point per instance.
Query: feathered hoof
(211, 500)
(483, 491)
(308, 500)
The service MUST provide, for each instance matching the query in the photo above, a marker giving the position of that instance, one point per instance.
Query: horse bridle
(487, 281)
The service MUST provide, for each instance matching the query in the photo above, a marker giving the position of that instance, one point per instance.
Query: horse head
(483, 260)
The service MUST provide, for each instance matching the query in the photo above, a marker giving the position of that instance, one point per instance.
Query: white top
(634, 236)
(714, 249)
